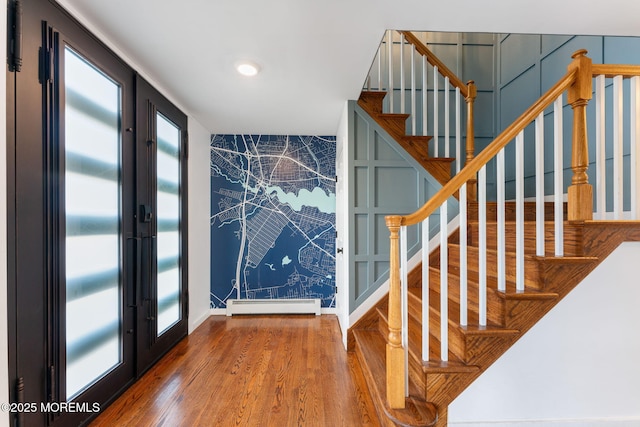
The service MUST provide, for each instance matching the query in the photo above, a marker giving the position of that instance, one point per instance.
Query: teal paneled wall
(528, 65)
(384, 180)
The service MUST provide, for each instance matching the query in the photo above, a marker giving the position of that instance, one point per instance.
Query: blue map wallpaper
(272, 217)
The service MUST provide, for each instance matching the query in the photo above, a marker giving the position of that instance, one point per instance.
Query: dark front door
(97, 252)
(162, 318)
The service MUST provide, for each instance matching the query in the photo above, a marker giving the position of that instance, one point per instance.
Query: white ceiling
(314, 54)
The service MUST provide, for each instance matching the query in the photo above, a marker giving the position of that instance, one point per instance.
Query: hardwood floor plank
(251, 371)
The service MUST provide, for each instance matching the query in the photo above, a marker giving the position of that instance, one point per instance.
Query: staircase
(417, 146)
(494, 276)
(435, 384)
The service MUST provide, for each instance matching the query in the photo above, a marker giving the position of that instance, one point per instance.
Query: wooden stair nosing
(371, 351)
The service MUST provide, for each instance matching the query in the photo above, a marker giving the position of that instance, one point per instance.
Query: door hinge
(14, 36)
(336, 178)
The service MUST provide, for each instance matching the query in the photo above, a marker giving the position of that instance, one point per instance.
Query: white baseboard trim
(587, 422)
(223, 311)
(194, 325)
(273, 306)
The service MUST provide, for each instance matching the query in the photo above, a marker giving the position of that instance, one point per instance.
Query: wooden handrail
(471, 169)
(612, 70)
(433, 60)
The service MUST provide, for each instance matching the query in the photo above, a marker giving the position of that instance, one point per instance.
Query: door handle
(134, 251)
(148, 267)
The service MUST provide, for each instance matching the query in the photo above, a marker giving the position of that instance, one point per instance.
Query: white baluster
(635, 147)
(500, 224)
(413, 91)
(380, 68)
(425, 96)
(426, 250)
(482, 245)
(444, 283)
(540, 250)
(601, 159)
(404, 292)
(402, 82)
(558, 181)
(435, 112)
(446, 116)
(618, 137)
(390, 74)
(463, 255)
(520, 211)
(458, 136)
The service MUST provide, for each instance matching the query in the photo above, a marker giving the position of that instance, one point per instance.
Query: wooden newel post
(470, 151)
(580, 193)
(395, 352)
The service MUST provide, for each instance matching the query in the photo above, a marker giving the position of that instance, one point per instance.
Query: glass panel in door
(93, 212)
(168, 223)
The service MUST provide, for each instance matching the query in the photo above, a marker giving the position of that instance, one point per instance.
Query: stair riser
(395, 124)
(372, 101)
(521, 314)
(510, 211)
(572, 238)
(495, 304)
(532, 277)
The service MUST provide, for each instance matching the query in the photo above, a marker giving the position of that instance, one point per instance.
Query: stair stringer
(593, 369)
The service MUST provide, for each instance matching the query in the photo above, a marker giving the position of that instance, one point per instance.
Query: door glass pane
(168, 217)
(92, 207)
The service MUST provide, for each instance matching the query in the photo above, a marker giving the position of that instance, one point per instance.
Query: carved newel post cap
(579, 53)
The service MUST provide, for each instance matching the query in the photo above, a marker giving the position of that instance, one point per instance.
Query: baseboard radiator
(273, 306)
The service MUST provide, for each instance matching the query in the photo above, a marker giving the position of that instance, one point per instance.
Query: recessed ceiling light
(247, 68)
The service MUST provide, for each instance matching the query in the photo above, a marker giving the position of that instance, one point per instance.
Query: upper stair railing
(537, 181)
(391, 73)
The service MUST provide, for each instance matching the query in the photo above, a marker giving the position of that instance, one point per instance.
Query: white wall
(578, 366)
(342, 223)
(199, 230)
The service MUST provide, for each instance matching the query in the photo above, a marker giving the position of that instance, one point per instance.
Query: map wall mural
(272, 217)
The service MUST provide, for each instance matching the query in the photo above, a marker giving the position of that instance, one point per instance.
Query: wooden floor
(251, 371)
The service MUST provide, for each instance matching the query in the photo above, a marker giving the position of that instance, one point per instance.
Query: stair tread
(372, 349)
(442, 159)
